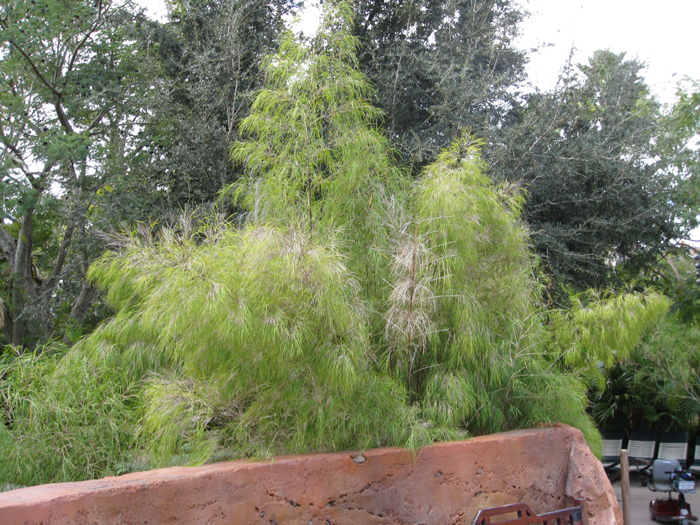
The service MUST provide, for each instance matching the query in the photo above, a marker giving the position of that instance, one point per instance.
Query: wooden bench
(525, 516)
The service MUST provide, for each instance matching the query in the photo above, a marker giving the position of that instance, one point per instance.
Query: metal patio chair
(673, 445)
(641, 448)
(612, 444)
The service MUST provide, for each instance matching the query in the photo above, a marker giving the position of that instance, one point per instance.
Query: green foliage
(211, 53)
(50, 430)
(680, 149)
(675, 276)
(439, 67)
(588, 156)
(350, 307)
(314, 151)
(314, 157)
(657, 385)
(262, 341)
(461, 279)
(599, 331)
(476, 361)
(673, 362)
(73, 84)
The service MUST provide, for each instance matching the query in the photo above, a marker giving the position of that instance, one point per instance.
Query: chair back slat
(611, 448)
(612, 444)
(673, 445)
(641, 449)
(673, 451)
(642, 444)
(695, 466)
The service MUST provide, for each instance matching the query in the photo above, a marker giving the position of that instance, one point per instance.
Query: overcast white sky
(664, 35)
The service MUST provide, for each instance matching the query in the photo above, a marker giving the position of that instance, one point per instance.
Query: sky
(663, 35)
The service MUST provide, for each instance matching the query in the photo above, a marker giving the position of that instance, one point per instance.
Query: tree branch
(35, 69)
(97, 120)
(80, 45)
(60, 260)
(61, 115)
(81, 304)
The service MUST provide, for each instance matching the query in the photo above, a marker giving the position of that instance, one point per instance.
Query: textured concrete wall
(446, 483)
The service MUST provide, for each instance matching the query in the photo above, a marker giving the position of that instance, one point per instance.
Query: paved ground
(641, 496)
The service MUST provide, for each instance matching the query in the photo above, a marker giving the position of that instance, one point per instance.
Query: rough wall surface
(446, 483)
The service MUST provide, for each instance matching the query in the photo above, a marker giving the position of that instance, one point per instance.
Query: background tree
(134, 124)
(439, 67)
(679, 145)
(211, 52)
(71, 92)
(587, 156)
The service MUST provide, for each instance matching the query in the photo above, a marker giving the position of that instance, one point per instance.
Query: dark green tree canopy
(587, 156)
(439, 67)
(211, 52)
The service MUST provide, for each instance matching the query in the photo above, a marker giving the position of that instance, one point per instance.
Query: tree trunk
(23, 289)
(80, 306)
(5, 319)
(8, 249)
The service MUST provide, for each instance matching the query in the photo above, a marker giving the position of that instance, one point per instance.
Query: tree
(71, 88)
(586, 155)
(211, 52)
(312, 149)
(679, 148)
(349, 309)
(454, 247)
(439, 67)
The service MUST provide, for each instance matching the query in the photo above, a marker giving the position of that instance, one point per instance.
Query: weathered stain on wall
(446, 483)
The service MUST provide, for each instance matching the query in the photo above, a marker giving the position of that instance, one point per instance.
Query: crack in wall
(201, 506)
(457, 519)
(281, 498)
(375, 484)
(396, 520)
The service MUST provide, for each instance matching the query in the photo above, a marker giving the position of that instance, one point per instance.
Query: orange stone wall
(446, 483)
